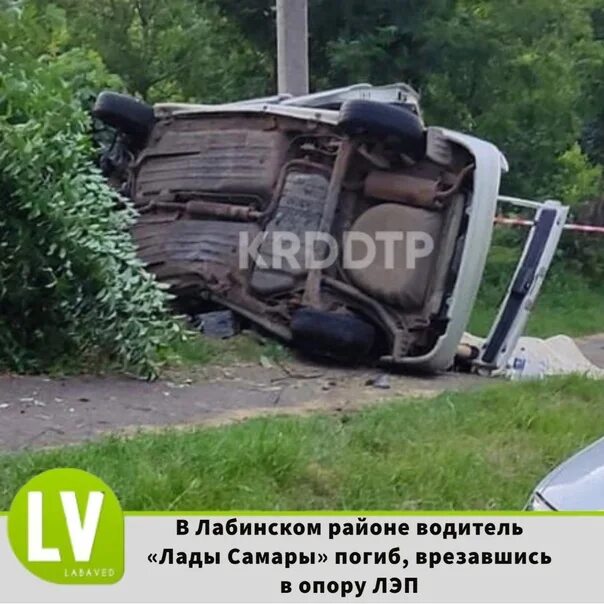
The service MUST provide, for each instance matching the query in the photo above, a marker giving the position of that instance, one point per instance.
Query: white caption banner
(554, 559)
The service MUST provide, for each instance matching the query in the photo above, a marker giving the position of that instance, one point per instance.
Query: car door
(538, 253)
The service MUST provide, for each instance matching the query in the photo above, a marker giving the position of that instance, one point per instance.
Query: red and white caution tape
(584, 228)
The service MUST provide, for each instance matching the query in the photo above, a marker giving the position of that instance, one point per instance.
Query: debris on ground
(328, 385)
(381, 381)
(265, 362)
(219, 324)
(294, 374)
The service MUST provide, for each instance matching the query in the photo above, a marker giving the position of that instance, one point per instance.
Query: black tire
(125, 113)
(333, 335)
(387, 121)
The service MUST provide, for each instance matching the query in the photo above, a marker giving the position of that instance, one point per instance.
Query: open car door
(541, 244)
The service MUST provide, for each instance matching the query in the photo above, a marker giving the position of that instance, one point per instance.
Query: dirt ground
(42, 411)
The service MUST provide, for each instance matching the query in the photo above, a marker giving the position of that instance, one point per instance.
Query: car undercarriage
(228, 195)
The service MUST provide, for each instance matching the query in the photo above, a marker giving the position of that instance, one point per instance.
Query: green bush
(70, 284)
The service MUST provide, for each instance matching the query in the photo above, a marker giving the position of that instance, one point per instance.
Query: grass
(199, 350)
(569, 303)
(478, 450)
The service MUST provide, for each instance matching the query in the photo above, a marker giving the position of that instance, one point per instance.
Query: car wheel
(383, 120)
(125, 113)
(334, 335)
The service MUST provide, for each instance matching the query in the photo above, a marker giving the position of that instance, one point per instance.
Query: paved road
(40, 411)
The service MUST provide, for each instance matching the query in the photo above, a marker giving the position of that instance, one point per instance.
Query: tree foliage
(515, 72)
(179, 49)
(516, 84)
(525, 75)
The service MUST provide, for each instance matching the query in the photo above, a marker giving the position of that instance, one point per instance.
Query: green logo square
(67, 526)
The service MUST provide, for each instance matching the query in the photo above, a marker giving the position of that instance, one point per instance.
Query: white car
(577, 485)
(337, 221)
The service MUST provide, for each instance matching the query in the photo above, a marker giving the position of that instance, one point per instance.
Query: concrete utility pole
(292, 46)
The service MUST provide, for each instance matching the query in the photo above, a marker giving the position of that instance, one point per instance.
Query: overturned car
(336, 221)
